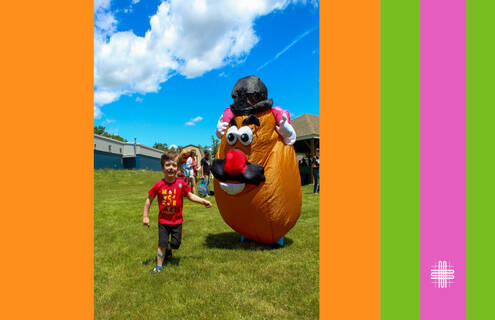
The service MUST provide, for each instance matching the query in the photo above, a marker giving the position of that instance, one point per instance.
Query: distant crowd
(314, 163)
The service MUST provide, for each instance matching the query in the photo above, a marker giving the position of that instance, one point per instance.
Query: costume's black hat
(250, 96)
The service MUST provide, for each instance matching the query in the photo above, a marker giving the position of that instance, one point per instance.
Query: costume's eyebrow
(251, 120)
(232, 122)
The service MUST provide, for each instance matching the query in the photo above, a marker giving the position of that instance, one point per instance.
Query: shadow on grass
(232, 240)
(175, 261)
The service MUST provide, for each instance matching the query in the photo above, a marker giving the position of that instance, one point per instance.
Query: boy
(170, 191)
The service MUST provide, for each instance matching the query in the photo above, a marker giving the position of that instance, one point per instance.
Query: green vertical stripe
(399, 228)
(480, 159)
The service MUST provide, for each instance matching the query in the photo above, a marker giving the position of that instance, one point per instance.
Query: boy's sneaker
(168, 254)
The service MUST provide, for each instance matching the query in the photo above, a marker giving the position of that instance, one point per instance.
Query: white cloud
(193, 121)
(101, 4)
(108, 121)
(135, 1)
(97, 113)
(105, 22)
(187, 37)
(105, 97)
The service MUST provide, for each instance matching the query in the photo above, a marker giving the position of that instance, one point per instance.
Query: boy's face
(170, 169)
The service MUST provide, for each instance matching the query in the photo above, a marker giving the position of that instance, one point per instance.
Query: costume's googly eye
(245, 135)
(231, 135)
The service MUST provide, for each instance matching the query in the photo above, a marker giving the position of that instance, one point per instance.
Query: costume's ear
(227, 115)
(277, 113)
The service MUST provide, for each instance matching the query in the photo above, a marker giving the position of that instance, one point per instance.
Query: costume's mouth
(232, 188)
(235, 169)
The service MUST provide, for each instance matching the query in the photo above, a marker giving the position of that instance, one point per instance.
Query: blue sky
(164, 70)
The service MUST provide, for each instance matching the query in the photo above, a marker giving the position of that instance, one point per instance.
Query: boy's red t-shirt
(170, 197)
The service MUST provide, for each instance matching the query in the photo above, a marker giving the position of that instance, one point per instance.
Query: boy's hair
(169, 155)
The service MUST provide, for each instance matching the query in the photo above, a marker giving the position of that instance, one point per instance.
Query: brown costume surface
(265, 212)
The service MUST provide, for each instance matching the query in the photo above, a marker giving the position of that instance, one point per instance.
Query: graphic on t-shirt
(169, 201)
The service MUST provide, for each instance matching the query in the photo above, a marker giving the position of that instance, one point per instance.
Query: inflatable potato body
(263, 210)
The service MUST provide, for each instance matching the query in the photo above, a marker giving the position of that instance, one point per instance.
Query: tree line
(212, 148)
(101, 131)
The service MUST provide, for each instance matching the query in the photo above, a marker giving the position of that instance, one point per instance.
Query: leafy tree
(214, 145)
(101, 131)
(161, 146)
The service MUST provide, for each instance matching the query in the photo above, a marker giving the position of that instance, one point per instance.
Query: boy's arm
(194, 198)
(147, 204)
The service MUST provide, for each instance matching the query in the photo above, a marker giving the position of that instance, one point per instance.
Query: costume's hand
(286, 130)
(207, 204)
(221, 127)
(146, 221)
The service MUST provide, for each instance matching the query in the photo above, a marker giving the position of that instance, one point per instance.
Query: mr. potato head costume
(257, 182)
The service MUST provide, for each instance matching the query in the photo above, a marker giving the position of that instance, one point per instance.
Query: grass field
(212, 275)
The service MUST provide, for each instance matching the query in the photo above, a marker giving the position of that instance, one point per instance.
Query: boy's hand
(146, 221)
(207, 203)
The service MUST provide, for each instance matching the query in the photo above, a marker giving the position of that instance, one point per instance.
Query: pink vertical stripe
(443, 156)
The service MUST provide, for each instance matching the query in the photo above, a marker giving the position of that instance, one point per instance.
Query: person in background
(193, 165)
(184, 169)
(205, 169)
(315, 164)
(303, 162)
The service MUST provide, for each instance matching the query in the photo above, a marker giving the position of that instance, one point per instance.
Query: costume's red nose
(235, 162)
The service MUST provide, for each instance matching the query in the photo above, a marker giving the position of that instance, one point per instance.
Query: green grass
(212, 275)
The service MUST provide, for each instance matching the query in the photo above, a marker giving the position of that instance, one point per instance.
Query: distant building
(307, 128)
(114, 154)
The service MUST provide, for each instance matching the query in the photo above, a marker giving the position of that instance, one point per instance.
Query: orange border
(47, 201)
(350, 133)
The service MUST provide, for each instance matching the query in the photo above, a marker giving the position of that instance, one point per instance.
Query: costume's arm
(223, 122)
(221, 127)
(285, 129)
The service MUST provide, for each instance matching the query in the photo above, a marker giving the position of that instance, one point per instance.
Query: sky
(164, 70)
